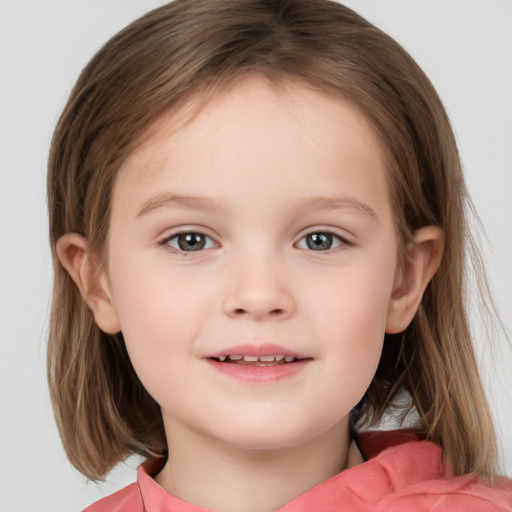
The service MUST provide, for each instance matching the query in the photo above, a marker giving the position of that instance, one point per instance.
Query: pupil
(191, 242)
(319, 241)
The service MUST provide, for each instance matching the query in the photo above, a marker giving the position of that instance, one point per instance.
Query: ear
(421, 263)
(74, 253)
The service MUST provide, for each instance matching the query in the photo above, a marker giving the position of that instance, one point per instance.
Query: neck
(228, 479)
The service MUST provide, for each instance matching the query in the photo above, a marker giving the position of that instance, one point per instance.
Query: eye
(320, 241)
(190, 242)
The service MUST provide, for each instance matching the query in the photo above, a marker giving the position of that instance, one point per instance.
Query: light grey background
(465, 46)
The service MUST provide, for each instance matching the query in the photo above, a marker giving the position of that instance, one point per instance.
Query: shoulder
(127, 499)
(414, 476)
(418, 479)
(456, 494)
(402, 474)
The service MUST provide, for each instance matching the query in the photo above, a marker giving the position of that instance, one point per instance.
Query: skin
(256, 172)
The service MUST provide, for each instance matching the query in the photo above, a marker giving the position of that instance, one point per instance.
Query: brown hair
(191, 48)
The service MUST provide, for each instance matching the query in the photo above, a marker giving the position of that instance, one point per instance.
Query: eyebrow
(336, 203)
(175, 201)
(203, 203)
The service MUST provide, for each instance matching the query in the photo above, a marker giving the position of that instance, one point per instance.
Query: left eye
(320, 241)
(190, 242)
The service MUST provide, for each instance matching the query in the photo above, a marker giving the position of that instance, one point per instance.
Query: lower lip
(259, 374)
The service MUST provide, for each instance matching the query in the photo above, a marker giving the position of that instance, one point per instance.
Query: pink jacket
(400, 476)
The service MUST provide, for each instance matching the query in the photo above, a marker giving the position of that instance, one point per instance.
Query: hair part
(189, 50)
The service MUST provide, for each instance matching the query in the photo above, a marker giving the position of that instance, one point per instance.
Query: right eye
(190, 242)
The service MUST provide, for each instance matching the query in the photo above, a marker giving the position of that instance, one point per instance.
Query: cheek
(350, 318)
(351, 305)
(152, 298)
(160, 316)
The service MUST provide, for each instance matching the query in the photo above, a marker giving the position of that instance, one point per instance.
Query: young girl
(257, 217)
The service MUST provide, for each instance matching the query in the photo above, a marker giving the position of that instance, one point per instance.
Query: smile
(249, 360)
(258, 363)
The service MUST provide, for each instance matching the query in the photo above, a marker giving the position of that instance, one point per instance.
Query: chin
(271, 435)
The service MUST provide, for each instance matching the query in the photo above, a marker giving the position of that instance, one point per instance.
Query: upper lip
(258, 350)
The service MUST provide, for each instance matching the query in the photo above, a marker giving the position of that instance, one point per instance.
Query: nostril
(273, 312)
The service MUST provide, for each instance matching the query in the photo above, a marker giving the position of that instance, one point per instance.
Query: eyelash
(340, 241)
(165, 242)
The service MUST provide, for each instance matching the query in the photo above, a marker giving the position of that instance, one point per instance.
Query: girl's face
(261, 229)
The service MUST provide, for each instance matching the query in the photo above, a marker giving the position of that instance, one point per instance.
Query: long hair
(190, 49)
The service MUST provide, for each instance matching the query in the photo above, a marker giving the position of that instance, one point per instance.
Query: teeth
(253, 359)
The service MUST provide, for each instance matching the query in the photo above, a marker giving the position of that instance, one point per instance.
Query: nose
(259, 289)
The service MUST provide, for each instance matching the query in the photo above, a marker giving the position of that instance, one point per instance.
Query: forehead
(252, 127)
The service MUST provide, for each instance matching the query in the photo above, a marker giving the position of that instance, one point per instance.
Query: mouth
(249, 360)
(255, 363)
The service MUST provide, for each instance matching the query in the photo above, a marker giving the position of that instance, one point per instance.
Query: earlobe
(74, 253)
(422, 261)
